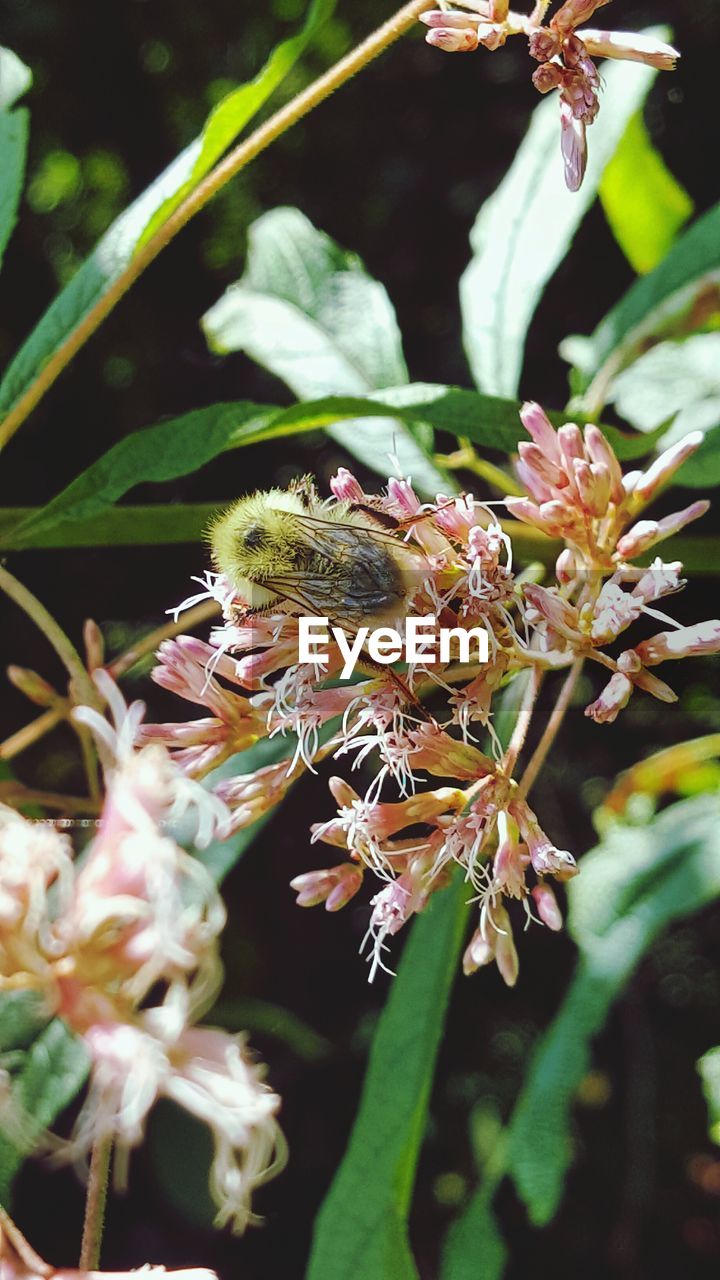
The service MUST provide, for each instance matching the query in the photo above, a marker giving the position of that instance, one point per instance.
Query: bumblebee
(337, 559)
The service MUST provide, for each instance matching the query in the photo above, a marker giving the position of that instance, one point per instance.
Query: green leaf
(709, 1069)
(637, 881)
(474, 1248)
(175, 448)
(361, 1230)
(116, 248)
(524, 230)
(22, 1017)
(182, 445)
(677, 384)
(231, 115)
(15, 80)
(129, 526)
(677, 298)
(643, 203)
(308, 311)
(45, 1075)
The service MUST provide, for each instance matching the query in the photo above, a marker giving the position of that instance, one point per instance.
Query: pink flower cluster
(124, 948)
(565, 56)
(422, 728)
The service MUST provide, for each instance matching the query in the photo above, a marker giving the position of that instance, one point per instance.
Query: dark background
(395, 167)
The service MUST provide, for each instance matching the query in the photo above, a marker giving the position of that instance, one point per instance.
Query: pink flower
(436, 799)
(127, 953)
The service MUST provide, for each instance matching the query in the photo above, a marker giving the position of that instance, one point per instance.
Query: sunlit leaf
(230, 116)
(15, 80)
(677, 384)
(309, 312)
(524, 230)
(361, 1231)
(116, 248)
(643, 203)
(631, 886)
(681, 296)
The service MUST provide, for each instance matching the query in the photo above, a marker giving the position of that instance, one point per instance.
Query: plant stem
(16, 795)
(30, 733)
(551, 728)
(466, 459)
(522, 724)
(189, 619)
(53, 632)
(95, 1204)
(234, 161)
(25, 1252)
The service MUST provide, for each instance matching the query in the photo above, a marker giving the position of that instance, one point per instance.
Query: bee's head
(256, 539)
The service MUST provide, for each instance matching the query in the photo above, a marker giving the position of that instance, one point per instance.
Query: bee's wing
(336, 541)
(314, 592)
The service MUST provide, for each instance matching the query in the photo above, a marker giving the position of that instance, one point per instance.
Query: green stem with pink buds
(227, 168)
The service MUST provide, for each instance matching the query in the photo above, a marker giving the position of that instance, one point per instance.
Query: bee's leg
(408, 521)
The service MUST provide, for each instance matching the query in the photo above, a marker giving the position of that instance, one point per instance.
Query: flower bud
(686, 642)
(573, 145)
(649, 683)
(450, 40)
(538, 425)
(479, 951)
(593, 485)
(632, 46)
(664, 467)
(572, 446)
(531, 481)
(446, 18)
(33, 686)
(614, 697)
(491, 35)
(534, 458)
(573, 12)
(506, 956)
(342, 793)
(344, 485)
(94, 644)
(600, 452)
(565, 566)
(334, 886)
(547, 906)
(545, 858)
(544, 44)
(646, 533)
(561, 615)
(547, 76)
